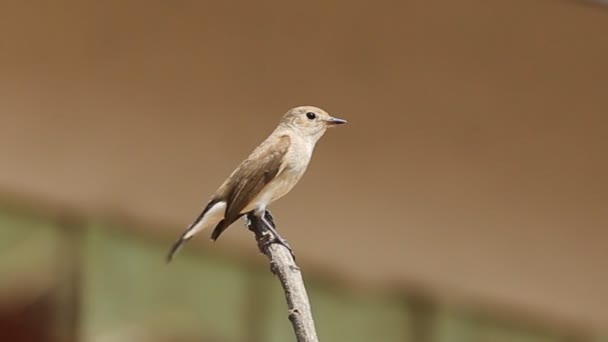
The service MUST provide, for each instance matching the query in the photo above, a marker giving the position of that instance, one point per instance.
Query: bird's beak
(335, 121)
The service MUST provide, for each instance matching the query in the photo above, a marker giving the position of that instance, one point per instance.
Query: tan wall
(474, 161)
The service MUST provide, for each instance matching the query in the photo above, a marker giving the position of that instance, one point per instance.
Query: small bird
(269, 173)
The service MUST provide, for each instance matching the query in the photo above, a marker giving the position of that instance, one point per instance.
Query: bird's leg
(269, 218)
(253, 222)
(269, 222)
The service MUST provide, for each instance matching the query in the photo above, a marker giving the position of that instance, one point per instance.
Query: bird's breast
(286, 180)
(275, 189)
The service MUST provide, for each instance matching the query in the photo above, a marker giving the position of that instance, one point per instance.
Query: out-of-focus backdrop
(466, 200)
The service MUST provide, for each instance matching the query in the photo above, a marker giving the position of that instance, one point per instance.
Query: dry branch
(282, 264)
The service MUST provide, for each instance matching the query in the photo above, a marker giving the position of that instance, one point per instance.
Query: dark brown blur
(474, 164)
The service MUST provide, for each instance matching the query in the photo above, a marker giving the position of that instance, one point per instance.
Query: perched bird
(269, 173)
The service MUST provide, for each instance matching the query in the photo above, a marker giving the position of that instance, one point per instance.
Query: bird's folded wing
(250, 178)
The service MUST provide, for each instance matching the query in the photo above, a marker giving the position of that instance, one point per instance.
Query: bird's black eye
(311, 115)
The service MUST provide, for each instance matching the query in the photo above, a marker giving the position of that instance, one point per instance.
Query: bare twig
(283, 265)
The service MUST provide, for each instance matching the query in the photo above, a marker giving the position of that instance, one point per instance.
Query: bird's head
(310, 121)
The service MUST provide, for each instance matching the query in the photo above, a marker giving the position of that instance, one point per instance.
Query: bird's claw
(271, 235)
(276, 238)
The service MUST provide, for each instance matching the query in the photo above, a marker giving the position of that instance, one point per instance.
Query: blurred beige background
(474, 164)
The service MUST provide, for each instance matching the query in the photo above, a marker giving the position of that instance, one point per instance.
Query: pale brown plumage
(270, 171)
(246, 182)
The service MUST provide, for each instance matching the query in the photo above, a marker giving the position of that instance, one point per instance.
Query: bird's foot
(276, 238)
(265, 228)
(269, 220)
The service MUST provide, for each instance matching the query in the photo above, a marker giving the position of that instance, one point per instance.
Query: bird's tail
(176, 247)
(213, 208)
